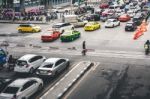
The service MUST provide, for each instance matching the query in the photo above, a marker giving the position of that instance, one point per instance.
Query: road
(111, 47)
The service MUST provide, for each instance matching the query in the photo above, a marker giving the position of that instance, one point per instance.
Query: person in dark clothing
(147, 44)
(84, 45)
(10, 59)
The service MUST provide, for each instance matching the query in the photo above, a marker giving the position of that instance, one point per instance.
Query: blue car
(3, 57)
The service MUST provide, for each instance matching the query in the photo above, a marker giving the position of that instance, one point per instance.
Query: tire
(40, 87)
(31, 71)
(33, 31)
(20, 31)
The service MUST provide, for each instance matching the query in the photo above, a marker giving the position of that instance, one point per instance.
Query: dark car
(93, 17)
(130, 26)
(137, 19)
(4, 82)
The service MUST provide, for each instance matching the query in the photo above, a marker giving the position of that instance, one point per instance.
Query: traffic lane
(104, 38)
(97, 82)
(136, 84)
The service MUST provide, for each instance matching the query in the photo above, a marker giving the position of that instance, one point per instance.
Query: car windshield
(2, 52)
(11, 90)
(21, 62)
(47, 65)
(56, 26)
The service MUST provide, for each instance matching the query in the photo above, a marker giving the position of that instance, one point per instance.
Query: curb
(60, 96)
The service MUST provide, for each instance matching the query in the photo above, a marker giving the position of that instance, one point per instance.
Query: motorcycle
(146, 49)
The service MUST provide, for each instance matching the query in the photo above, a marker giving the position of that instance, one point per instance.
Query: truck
(74, 20)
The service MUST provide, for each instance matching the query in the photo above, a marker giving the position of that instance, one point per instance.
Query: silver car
(52, 66)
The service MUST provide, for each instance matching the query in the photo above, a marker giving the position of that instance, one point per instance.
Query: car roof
(19, 82)
(52, 60)
(59, 23)
(27, 57)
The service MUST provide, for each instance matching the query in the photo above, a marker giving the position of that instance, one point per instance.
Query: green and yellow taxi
(28, 28)
(91, 26)
(70, 35)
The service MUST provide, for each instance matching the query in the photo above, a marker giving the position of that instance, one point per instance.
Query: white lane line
(95, 65)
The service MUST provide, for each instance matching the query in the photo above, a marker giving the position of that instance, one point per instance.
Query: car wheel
(20, 31)
(40, 87)
(33, 31)
(31, 71)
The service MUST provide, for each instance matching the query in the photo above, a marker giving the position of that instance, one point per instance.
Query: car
(50, 36)
(4, 82)
(124, 18)
(28, 63)
(52, 66)
(131, 13)
(22, 88)
(112, 23)
(80, 23)
(93, 17)
(61, 27)
(70, 35)
(104, 6)
(28, 28)
(3, 57)
(90, 26)
(130, 26)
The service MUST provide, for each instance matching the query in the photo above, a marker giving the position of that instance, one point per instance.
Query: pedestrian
(84, 45)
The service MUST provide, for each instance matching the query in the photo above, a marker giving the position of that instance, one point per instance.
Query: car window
(47, 65)
(28, 84)
(59, 62)
(35, 59)
(2, 52)
(39, 57)
(21, 62)
(11, 90)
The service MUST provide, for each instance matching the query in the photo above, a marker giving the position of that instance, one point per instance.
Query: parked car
(90, 26)
(28, 63)
(137, 19)
(124, 18)
(130, 26)
(28, 28)
(71, 35)
(52, 66)
(61, 27)
(80, 23)
(22, 88)
(112, 23)
(50, 36)
(4, 82)
(131, 13)
(93, 17)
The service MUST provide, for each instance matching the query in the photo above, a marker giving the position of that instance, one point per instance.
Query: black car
(93, 17)
(130, 26)
(137, 19)
(4, 82)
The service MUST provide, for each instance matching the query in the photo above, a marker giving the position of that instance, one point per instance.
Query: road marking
(95, 65)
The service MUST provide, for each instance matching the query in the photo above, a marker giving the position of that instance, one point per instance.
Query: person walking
(84, 48)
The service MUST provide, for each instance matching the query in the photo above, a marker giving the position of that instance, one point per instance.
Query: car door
(115, 22)
(28, 89)
(38, 60)
(59, 66)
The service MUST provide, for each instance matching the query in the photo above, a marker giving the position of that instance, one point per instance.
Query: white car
(28, 63)
(52, 66)
(131, 13)
(61, 27)
(112, 23)
(22, 88)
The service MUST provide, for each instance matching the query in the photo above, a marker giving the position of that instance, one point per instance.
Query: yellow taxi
(90, 26)
(28, 28)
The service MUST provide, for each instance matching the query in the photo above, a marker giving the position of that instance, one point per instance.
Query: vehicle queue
(112, 14)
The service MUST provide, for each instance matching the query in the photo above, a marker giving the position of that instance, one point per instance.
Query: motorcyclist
(147, 44)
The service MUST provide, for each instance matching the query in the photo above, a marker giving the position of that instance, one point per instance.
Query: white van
(28, 63)
(61, 27)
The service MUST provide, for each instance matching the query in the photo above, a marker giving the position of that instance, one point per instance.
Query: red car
(103, 6)
(51, 36)
(124, 18)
